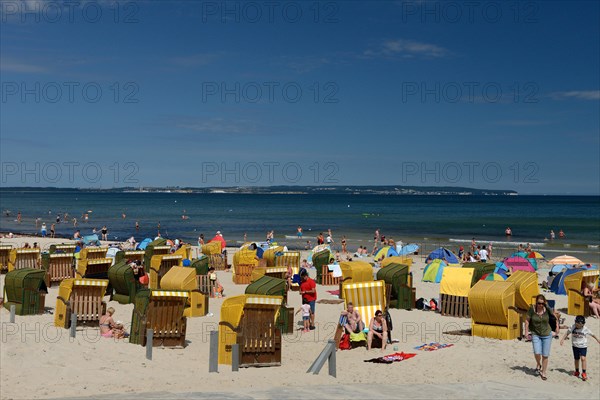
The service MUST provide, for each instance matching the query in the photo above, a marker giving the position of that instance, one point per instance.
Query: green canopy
(26, 289)
(123, 282)
(150, 250)
(480, 270)
(201, 265)
(319, 259)
(397, 275)
(141, 302)
(267, 285)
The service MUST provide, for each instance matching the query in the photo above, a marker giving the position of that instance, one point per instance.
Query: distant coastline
(290, 190)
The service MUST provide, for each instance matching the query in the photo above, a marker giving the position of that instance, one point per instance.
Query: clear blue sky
(201, 93)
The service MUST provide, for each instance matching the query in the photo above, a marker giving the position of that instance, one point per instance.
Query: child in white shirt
(579, 333)
(306, 314)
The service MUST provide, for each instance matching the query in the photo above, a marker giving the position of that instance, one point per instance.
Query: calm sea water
(449, 220)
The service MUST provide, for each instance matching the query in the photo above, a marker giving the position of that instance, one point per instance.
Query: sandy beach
(38, 360)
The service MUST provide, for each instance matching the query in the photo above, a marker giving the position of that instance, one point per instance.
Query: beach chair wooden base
(217, 261)
(286, 320)
(327, 278)
(454, 306)
(205, 285)
(87, 302)
(243, 274)
(259, 338)
(59, 271)
(168, 331)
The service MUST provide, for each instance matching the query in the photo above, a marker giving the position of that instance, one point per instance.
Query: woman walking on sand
(538, 323)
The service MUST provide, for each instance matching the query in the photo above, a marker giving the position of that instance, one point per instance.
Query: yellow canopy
(526, 288)
(269, 255)
(179, 278)
(211, 248)
(356, 271)
(64, 292)
(21, 254)
(396, 260)
(456, 281)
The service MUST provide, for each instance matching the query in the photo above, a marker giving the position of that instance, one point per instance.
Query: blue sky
(210, 93)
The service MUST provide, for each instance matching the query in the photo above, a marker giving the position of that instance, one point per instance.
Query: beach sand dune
(38, 360)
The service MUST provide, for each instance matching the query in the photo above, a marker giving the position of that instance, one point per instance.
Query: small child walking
(579, 333)
(306, 314)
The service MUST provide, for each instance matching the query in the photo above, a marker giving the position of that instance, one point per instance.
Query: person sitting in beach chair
(354, 323)
(109, 328)
(378, 332)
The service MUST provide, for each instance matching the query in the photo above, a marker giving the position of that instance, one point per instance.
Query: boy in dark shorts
(579, 333)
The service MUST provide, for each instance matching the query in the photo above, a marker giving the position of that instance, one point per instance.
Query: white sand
(38, 360)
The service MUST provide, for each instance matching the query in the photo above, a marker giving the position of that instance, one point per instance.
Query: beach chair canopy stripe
(62, 255)
(167, 293)
(272, 270)
(367, 297)
(270, 300)
(90, 282)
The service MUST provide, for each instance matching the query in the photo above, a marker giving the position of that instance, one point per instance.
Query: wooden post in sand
(13, 311)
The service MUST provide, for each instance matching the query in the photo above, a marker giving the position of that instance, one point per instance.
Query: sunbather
(109, 328)
(354, 323)
(378, 331)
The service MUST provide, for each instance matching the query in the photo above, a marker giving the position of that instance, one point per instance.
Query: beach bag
(551, 319)
(345, 342)
(144, 279)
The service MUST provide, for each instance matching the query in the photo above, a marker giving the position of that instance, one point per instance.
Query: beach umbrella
(565, 259)
(520, 254)
(535, 254)
(494, 276)
(386, 251)
(408, 249)
(519, 264)
(501, 267)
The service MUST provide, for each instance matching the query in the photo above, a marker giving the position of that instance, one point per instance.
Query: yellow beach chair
(131, 255)
(58, 266)
(574, 285)
(4, 256)
(160, 265)
(454, 291)
(93, 253)
(163, 312)
(367, 297)
(288, 258)
(24, 258)
(354, 272)
(184, 279)
(526, 288)
(251, 322)
(83, 297)
(93, 268)
(493, 314)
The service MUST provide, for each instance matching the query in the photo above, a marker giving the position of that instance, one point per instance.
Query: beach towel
(334, 292)
(396, 357)
(432, 346)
